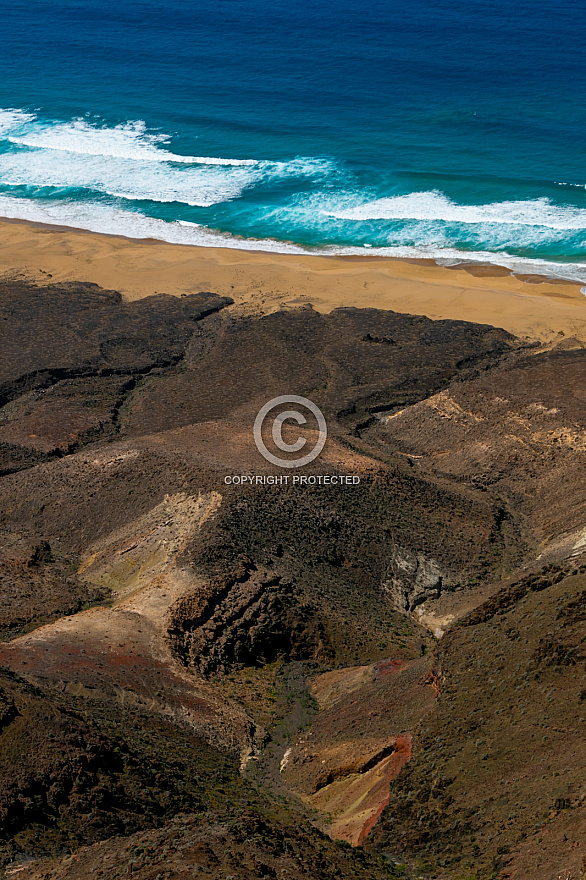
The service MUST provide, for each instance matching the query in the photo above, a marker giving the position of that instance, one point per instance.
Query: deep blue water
(425, 129)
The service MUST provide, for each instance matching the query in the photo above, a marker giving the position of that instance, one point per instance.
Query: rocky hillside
(202, 676)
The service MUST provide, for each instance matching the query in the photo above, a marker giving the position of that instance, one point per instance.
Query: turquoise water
(421, 130)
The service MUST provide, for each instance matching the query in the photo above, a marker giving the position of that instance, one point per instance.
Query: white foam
(129, 162)
(435, 206)
(130, 140)
(303, 166)
(12, 120)
(130, 179)
(95, 217)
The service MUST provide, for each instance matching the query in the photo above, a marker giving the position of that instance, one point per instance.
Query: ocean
(453, 131)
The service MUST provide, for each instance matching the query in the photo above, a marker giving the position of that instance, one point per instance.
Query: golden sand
(530, 307)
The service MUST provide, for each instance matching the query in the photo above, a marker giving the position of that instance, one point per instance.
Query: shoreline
(474, 266)
(526, 305)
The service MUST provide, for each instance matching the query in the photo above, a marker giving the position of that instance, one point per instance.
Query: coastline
(259, 282)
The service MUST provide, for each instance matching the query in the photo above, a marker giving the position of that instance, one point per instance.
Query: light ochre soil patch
(359, 742)
(438, 615)
(138, 564)
(355, 801)
(332, 686)
(121, 652)
(261, 282)
(516, 432)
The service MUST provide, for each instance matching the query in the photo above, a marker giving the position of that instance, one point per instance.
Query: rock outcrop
(250, 618)
(412, 579)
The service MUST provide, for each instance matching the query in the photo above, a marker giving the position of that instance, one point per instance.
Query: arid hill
(202, 676)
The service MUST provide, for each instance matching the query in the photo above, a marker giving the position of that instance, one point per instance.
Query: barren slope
(285, 630)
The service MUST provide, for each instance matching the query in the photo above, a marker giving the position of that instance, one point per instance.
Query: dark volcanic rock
(247, 619)
(325, 357)
(72, 353)
(73, 773)
(340, 548)
(66, 330)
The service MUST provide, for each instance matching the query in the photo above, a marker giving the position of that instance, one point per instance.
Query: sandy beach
(527, 306)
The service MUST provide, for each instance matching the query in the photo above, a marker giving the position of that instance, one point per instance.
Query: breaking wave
(126, 179)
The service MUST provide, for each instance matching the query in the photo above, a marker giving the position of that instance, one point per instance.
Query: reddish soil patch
(402, 754)
(386, 667)
(360, 741)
